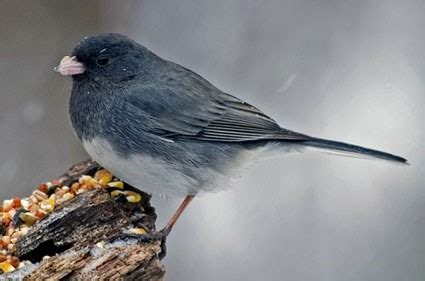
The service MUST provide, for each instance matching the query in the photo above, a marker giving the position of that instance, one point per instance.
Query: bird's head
(107, 57)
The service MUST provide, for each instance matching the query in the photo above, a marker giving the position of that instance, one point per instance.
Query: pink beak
(69, 66)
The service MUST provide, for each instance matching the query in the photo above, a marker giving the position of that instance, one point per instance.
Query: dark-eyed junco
(163, 128)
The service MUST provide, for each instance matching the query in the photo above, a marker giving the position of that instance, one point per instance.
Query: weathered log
(75, 241)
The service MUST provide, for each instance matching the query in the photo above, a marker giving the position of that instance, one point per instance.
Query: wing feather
(202, 112)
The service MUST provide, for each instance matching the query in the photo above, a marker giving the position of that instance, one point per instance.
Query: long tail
(352, 150)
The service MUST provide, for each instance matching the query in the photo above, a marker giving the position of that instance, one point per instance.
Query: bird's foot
(146, 238)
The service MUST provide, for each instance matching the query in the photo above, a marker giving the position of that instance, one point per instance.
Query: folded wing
(207, 116)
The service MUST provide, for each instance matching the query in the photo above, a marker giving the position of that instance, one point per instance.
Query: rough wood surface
(69, 237)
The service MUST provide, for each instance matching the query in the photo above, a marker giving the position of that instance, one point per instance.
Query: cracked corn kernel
(84, 178)
(67, 196)
(43, 201)
(87, 180)
(103, 176)
(6, 266)
(116, 184)
(116, 193)
(138, 230)
(75, 186)
(28, 218)
(49, 204)
(132, 197)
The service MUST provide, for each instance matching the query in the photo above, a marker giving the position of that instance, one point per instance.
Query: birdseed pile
(18, 215)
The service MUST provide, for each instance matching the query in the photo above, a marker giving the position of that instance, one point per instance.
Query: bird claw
(146, 238)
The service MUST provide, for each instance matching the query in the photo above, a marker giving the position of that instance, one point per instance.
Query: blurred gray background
(347, 70)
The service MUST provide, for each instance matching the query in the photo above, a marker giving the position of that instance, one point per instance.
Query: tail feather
(352, 150)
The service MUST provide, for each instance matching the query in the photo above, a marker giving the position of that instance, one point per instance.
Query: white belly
(148, 174)
(156, 176)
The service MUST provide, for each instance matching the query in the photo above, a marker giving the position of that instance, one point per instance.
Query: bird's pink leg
(166, 230)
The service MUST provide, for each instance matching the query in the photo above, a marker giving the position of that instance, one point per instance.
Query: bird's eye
(102, 60)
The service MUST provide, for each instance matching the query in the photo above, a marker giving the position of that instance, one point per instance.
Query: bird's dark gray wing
(211, 115)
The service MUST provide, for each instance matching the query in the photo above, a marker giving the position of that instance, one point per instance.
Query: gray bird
(162, 128)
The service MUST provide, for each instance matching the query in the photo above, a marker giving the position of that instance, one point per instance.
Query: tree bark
(74, 242)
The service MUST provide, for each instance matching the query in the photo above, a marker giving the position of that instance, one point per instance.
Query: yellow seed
(83, 179)
(87, 180)
(138, 230)
(67, 196)
(132, 197)
(28, 218)
(100, 244)
(103, 176)
(49, 204)
(116, 184)
(116, 193)
(6, 267)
